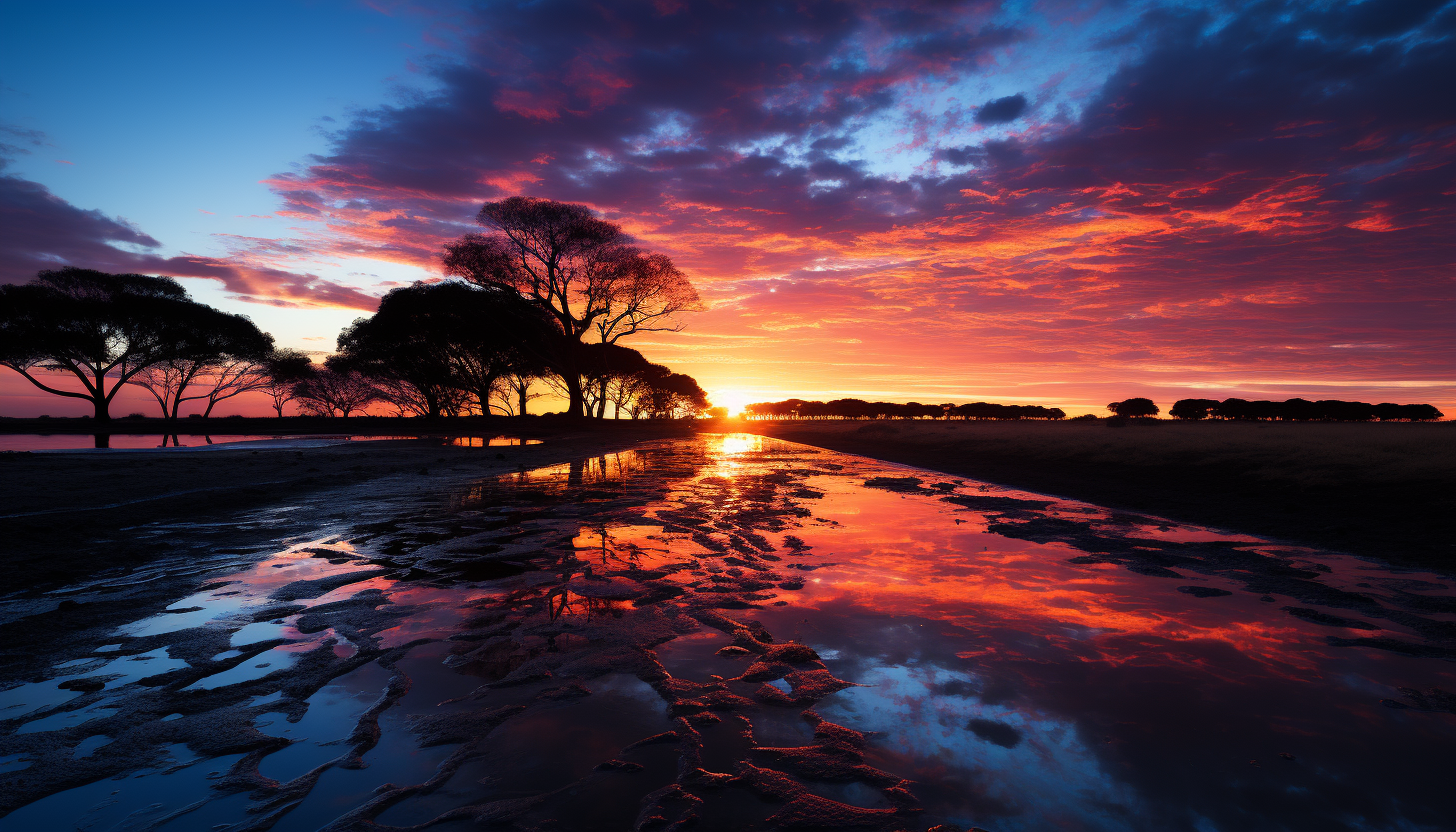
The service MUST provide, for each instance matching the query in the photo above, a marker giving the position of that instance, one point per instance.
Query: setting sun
(734, 400)
(377, 449)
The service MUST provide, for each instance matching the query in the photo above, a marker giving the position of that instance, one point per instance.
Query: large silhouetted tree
(580, 269)
(432, 345)
(1134, 408)
(217, 354)
(103, 329)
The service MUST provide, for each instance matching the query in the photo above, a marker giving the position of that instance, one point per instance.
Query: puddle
(756, 633)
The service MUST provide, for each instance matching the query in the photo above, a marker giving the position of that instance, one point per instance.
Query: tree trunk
(522, 386)
(576, 403)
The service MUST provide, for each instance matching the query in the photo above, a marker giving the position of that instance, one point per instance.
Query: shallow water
(136, 441)
(547, 651)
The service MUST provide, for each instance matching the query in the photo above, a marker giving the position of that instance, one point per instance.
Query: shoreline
(1381, 491)
(59, 508)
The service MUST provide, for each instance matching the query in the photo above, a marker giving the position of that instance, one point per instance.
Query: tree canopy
(431, 342)
(581, 270)
(1301, 410)
(219, 355)
(101, 328)
(1136, 408)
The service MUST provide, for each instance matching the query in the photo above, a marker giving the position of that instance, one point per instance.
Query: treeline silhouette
(525, 298)
(860, 409)
(1302, 410)
(1134, 408)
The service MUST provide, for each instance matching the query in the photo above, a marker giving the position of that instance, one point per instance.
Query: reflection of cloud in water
(1048, 775)
(1028, 663)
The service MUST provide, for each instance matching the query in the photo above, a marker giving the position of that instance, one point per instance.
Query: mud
(677, 636)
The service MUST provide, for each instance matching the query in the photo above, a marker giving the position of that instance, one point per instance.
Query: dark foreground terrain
(724, 633)
(1384, 490)
(50, 501)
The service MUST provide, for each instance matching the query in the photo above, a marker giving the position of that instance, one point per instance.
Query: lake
(749, 633)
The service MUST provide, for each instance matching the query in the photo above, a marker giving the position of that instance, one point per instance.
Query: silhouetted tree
(664, 394)
(580, 269)
(329, 392)
(1302, 410)
(102, 328)
(513, 393)
(611, 373)
(1192, 409)
(431, 346)
(1134, 408)
(285, 369)
(218, 354)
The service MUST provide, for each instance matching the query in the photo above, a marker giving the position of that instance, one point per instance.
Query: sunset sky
(1052, 203)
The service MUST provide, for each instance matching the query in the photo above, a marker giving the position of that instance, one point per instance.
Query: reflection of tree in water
(552, 591)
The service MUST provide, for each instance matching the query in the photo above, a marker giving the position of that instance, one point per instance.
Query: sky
(1057, 203)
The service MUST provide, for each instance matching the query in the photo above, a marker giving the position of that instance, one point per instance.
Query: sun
(734, 400)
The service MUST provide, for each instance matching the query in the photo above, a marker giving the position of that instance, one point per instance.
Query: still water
(135, 441)
(741, 631)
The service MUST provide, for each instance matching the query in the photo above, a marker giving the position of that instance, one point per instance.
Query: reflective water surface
(742, 632)
(79, 441)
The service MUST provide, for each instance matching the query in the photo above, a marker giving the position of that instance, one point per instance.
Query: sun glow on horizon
(733, 400)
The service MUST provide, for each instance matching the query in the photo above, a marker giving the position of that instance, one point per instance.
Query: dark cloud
(1001, 110)
(1274, 176)
(39, 230)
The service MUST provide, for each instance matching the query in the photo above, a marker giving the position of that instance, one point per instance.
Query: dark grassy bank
(51, 503)
(1385, 490)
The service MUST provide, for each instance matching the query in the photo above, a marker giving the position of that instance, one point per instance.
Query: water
(594, 644)
(134, 441)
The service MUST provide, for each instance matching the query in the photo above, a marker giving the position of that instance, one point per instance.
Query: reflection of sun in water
(733, 445)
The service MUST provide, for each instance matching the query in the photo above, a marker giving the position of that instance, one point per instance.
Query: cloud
(1001, 110)
(39, 230)
(1196, 190)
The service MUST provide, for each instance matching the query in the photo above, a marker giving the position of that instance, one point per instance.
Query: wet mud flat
(51, 501)
(728, 632)
(1383, 490)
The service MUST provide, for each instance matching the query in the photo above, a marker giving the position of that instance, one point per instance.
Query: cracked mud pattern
(726, 633)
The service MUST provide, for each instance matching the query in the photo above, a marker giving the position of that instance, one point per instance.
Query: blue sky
(1188, 199)
(172, 115)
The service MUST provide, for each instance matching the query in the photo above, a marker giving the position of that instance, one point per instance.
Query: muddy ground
(51, 501)
(724, 634)
(1376, 490)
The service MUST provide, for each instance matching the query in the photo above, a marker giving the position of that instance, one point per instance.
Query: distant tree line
(544, 278)
(859, 409)
(1302, 410)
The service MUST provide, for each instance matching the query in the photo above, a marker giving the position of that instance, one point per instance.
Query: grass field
(1386, 490)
